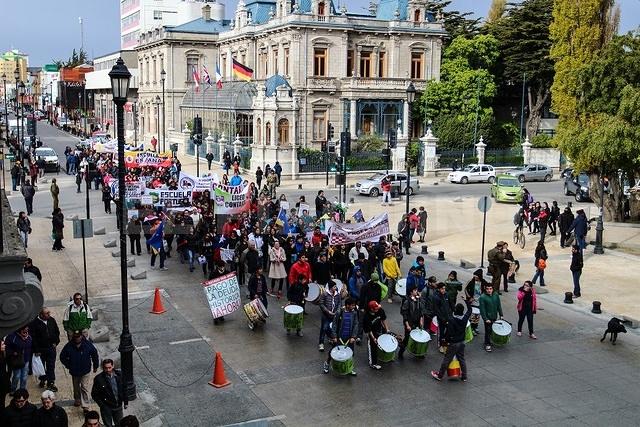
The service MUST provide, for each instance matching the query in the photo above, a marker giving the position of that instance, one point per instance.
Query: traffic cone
(158, 308)
(219, 379)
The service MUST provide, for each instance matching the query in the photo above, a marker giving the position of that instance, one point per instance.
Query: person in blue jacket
(580, 225)
(77, 356)
(356, 281)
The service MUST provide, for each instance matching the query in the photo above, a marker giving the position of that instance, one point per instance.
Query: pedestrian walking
(57, 222)
(454, 338)
(30, 268)
(50, 414)
(106, 199)
(540, 263)
(422, 227)
(527, 306)
(28, 191)
(580, 226)
(386, 191)
(154, 143)
(46, 337)
(16, 173)
(259, 175)
(19, 350)
(55, 192)
(209, 158)
(78, 181)
(24, 227)
(554, 216)
(490, 308)
(277, 168)
(41, 166)
(77, 317)
(20, 411)
(78, 355)
(577, 263)
(134, 231)
(33, 172)
(108, 392)
(5, 379)
(92, 419)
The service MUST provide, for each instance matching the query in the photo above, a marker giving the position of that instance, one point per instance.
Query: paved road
(566, 377)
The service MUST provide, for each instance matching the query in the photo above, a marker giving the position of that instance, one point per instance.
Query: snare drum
(315, 291)
(468, 333)
(256, 311)
(401, 288)
(387, 346)
(418, 342)
(500, 332)
(342, 360)
(475, 315)
(293, 317)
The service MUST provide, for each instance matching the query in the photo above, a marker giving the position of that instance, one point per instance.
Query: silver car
(372, 186)
(532, 172)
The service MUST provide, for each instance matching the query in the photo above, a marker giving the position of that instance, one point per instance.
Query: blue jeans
(325, 328)
(540, 274)
(14, 183)
(581, 242)
(162, 257)
(20, 374)
(576, 281)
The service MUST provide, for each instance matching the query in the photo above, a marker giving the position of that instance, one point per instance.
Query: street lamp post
(163, 76)
(120, 77)
(598, 249)
(21, 122)
(411, 96)
(157, 102)
(6, 111)
(90, 104)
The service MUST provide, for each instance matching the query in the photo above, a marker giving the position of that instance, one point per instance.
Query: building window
(263, 57)
(417, 58)
(268, 133)
(155, 70)
(382, 64)
(259, 131)
(320, 62)
(192, 65)
(157, 14)
(416, 16)
(286, 61)
(365, 64)
(146, 69)
(350, 70)
(223, 66)
(276, 68)
(321, 9)
(319, 125)
(283, 132)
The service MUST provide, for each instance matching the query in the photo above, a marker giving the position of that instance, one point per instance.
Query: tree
(524, 45)
(77, 58)
(496, 10)
(456, 23)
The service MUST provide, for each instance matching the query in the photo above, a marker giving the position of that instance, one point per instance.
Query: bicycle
(518, 237)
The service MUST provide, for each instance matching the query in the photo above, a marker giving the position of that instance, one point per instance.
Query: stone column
(398, 156)
(430, 159)
(526, 151)
(210, 141)
(480, 148)
(222, 143)
(405, 118)
(352, 118)
(295, 167)
(236, 145)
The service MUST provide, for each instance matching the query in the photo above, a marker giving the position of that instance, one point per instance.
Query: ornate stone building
(313, 65)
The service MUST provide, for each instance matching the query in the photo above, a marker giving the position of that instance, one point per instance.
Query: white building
(138, 16)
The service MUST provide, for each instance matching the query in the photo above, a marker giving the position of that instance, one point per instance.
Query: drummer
(344, 329)
(370, 291)
(457, 325)
(490, 308)
(329, 305)
(473, 291)
(374, 324)
(412, 311)
(258, 286)
(442, 310)
(297, 293)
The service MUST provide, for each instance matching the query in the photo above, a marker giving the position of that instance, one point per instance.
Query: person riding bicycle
(518, 219)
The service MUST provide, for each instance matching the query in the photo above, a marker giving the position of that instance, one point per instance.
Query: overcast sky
(49, 29)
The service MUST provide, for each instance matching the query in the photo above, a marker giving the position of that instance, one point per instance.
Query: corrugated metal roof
(387, 9)
(201, 26)
(274, 82)
(234, 95)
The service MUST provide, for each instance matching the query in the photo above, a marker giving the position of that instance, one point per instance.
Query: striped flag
(242, 72)
(206, 78)
(218, 77)
(196, 78)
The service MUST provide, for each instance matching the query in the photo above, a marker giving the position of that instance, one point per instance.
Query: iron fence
(494, 157)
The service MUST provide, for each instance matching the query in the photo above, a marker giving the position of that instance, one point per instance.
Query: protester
(374, 325)
(490, 309)
(108, 392)
(18, 350)
(527, 306)
(77, 356)
(50, 414)
(343, 330)
(329, 305)
(46, 337)
(455, 339)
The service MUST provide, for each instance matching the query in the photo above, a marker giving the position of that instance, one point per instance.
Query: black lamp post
(598, 249)
(411, 96)
(163, 76)
(6, 108)
(157, 103)
(21, 123)
(120, 77)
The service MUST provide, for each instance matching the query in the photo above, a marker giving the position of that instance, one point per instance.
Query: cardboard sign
(231, 199)
(304, 207)
(138, 159)
(223, 295)
(170, 198)
(369, 231)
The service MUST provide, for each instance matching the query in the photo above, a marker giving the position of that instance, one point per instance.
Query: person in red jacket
(300, 268)
(527, 307)
(386, 192)
(316, 238)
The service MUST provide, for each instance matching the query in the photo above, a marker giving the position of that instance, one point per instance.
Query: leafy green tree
(76, 58)
(456, 23)
(496, 10)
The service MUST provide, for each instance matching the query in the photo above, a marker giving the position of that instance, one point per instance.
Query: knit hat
(375, 277)
(478, 273)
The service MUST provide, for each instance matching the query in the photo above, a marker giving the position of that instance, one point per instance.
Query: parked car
(51, 160)
(566, 173)
(532, 172)
(474, 173)
(578, 186)
(507, 188)
(372, 186)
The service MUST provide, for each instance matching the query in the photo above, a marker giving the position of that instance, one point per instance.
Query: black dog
(614, 327)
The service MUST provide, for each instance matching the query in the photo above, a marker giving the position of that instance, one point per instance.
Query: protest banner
(223, 295)
(304, 207)
(369, 231)
(230, 199)
(284, 205)
(138, 159)
(170, 198)
(198, 185)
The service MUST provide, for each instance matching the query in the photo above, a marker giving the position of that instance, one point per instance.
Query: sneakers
(299, 333)
(41, 384)
(52, 387)
(153, 267)
(390, 301)
(463, 379)
(376, 367)
(353, 373)
(251, 325)
(325, 367)
(533, 337)
(320, 347)
(358, 341)
(519, 334)
(436, 376)
(487, 348)
(165, 268)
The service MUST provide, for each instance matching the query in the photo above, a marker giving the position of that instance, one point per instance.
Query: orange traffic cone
(219, 379)
(158, 308)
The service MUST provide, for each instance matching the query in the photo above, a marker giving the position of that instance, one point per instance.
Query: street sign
(79, 224)
(484, 203)
(11, 156)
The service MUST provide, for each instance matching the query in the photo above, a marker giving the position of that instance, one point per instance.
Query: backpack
(542, 264)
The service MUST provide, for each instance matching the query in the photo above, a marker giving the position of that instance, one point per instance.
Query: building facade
(9, 61)
(312, 65)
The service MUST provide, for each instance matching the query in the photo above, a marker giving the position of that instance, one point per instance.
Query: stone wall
(546, 156)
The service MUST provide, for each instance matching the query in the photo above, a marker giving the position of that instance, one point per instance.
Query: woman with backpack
(540, 263)
(527, 307)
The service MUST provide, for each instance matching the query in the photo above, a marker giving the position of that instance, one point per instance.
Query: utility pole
(524, 85)
(81, 33)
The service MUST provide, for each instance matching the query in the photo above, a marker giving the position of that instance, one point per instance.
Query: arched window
(321, 9)
(267, 133)
(283, 132)
(259, 131)
(416, 16)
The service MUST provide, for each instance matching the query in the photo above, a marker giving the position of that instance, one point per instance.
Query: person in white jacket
(357, 249)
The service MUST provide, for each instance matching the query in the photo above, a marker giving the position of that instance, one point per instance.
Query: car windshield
(508, 182)
(468, 168)
(376, 177)
(520, 168)
(45, 153)
(583, 179)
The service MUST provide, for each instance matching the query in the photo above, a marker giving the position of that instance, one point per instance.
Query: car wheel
(491, 179)
(464, 180)
(374, 192)
(578, 197)
(521, 178)
(566, 190)
(547, 178)
(408, 191)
